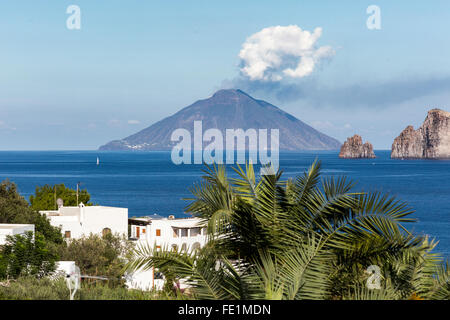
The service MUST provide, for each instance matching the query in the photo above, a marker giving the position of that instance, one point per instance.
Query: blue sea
(149, 183)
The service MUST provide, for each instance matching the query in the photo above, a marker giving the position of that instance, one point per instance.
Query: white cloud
(320, 125)
(134, 122)
(282, 51)
(326, 125)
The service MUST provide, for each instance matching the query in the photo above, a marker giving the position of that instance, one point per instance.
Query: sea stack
(354, 148)
(430, 141)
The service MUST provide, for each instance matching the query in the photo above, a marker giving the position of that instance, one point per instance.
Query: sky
(134, 62)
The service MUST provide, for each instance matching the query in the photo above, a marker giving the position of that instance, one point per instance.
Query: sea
(148, 183)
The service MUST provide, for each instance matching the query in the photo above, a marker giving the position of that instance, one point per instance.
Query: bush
(26, 255)
(31, 288)
(102, 291)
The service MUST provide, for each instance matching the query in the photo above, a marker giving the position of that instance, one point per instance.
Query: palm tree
(307, 238)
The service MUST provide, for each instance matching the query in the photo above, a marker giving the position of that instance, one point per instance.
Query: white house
(14, 229)
(177, 234)
(76, 222)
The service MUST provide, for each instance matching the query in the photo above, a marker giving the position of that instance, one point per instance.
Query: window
(106, 231)
(158, 232)
(184, 232)
(143, 230)
(195, 232)
(175, 232)
(67, 234)
(204, 231)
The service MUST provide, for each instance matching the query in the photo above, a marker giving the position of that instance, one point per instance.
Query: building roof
(73, 211)
(139, 221)
(180, 223)
(14, 225)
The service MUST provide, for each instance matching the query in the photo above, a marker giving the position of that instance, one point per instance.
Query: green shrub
(101, 291)
(32, 288)
(26, 255)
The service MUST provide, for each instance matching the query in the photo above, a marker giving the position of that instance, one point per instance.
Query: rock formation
(430, 141)
(354, 148)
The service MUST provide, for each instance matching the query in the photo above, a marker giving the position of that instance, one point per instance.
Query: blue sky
(135, 62)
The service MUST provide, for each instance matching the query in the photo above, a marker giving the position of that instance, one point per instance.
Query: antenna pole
(77, 193)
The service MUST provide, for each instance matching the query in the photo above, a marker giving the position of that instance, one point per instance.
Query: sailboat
(98, 161)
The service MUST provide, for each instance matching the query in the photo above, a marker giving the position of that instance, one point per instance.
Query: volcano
(229, 109)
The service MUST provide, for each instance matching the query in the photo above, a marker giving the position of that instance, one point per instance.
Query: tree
(15, 209)
(45, 197)
(307, 238)
(24, 255)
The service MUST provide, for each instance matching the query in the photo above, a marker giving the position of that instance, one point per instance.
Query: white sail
(98, 161)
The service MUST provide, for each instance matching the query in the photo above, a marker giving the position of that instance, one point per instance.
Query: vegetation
(15, 209)
(45, 197)
(31, 288)
(24, 258)
(99, 256)
(26, 267)
(26, 255)
(269, 238)
(307, 238)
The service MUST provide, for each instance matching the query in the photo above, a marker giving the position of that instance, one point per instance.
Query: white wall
(168, 229)
(14, 229)
(98, 218)
(145, 279)
(141, 279)
(82, 221)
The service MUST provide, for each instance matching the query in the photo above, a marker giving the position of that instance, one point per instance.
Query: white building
(76, 222)
(14, 229)
(177, 234)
